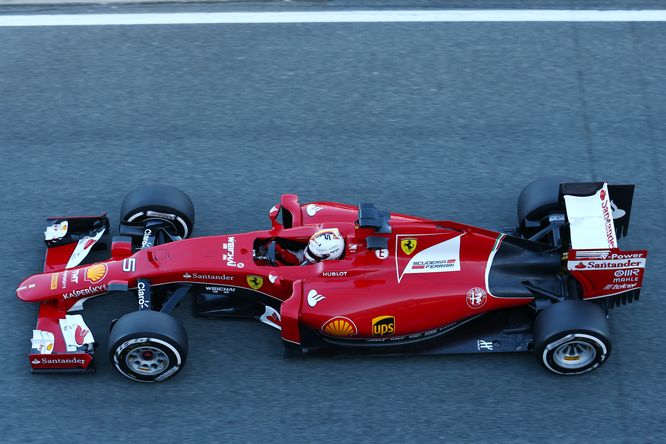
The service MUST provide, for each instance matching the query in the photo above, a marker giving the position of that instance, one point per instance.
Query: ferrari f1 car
(403, 284)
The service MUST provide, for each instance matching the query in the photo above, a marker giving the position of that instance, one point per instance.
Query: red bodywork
(433, 274)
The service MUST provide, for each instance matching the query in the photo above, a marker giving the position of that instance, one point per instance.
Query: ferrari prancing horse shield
(255, 282)
(408, 246)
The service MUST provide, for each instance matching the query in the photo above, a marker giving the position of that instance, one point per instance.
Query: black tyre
(162, 202)
(539, 199)
(148, 346)
(572, 337)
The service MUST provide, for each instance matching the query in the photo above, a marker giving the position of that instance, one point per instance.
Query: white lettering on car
(145, 242)
(129, 264)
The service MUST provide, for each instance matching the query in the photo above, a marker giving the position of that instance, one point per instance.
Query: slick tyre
(148, 346)
(572, 337)
(161, 202)
(539, 199)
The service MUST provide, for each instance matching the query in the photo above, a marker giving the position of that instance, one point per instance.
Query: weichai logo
(383, 326)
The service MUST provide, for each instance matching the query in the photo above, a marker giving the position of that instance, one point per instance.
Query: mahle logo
(408, 246)
(383, 326)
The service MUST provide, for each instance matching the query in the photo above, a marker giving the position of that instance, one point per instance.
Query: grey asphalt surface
(439, 120)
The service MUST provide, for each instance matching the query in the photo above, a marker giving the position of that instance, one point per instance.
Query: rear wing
(612, 274)
(598, 213)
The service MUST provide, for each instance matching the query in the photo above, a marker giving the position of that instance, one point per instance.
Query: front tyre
(148, 346)
(572, 337)
(163, 203)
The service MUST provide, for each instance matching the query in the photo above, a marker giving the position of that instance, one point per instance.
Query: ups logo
(383, 326)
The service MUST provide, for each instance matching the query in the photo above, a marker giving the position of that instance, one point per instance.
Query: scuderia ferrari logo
(255, 282)
(383, 326)
(408, 245)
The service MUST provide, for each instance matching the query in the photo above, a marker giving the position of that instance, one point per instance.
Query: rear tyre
(539, 199)
(148, 346)
(159, 202)
(572, 337)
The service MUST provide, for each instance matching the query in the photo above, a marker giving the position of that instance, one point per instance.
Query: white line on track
(478, 15)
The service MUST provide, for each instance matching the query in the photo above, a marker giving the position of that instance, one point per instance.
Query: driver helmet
(325, 244)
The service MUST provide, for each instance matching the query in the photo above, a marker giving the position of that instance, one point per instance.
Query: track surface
(440, 120)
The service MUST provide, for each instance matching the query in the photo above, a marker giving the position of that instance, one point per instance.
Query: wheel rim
(147, 360)
(574, 354)
(173, 230)
(146, 216)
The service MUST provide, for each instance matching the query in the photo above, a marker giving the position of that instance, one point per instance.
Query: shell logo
(95, 273)
(339, 326)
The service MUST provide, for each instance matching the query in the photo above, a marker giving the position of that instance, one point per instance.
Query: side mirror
(273, 214)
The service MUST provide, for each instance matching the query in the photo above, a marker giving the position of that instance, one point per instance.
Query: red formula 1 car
(403, 283)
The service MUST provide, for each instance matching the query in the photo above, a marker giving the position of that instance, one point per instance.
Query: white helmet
(325, 244)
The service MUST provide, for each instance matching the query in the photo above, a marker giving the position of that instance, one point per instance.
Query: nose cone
(26, 288)
(37, 287)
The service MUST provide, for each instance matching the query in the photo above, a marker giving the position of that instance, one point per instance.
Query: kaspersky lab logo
(383, 326)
